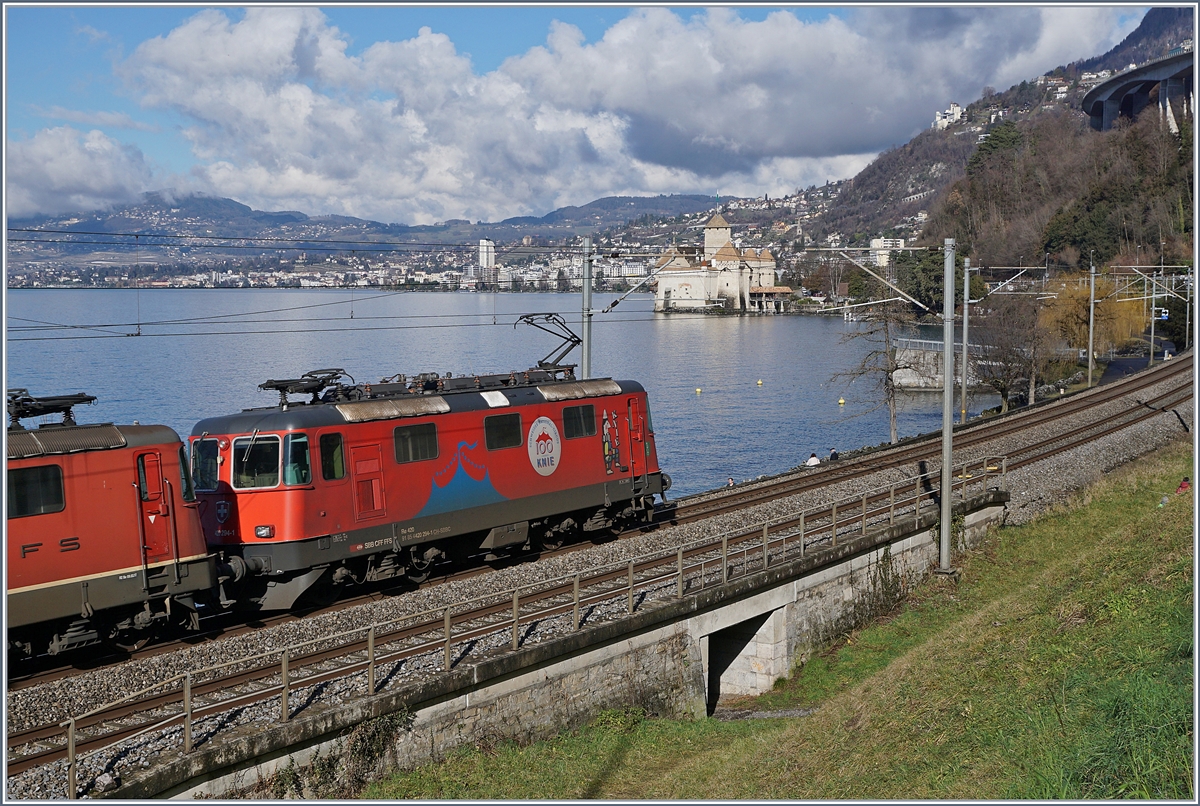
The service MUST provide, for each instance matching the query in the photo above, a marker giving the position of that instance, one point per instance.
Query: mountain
(1047, 187)
(168, 213)
(880, 199)
(1160, 30)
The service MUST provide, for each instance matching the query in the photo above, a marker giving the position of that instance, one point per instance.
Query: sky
(419, 114)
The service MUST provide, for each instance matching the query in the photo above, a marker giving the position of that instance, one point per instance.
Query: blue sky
(62, 57)
(492, 111)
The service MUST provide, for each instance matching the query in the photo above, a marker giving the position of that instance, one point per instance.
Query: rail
(693, 566)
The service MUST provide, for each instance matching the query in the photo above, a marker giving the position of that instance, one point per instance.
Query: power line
(285, 331)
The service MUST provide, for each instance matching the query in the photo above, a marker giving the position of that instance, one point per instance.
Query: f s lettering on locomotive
(114, 532)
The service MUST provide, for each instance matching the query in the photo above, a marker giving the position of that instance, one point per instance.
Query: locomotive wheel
(417, 575)
(552, 542)
(419, 565)
(132, 640)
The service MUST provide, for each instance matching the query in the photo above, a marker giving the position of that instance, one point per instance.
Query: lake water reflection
(204, 352)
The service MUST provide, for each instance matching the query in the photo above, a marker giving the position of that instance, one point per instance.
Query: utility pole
(1091, 314)
(585, 363)
(966, 313)
(1187, 328)
(947, 404)
(1153, 316)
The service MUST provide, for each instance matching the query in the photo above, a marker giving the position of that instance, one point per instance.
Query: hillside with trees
(1053, 185)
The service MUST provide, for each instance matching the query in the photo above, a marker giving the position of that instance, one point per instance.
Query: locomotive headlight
(264, 531)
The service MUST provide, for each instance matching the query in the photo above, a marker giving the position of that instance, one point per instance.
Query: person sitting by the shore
(813, 461)
(833, 455)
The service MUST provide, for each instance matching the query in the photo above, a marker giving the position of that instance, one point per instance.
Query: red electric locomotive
(104, 542)
(370, 481)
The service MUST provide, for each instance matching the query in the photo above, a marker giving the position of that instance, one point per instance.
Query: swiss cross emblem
(222, 511)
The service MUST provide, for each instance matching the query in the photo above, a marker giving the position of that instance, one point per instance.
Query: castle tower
(717, 233)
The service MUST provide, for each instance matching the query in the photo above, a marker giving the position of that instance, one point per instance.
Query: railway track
(43, 743)
(920, 448)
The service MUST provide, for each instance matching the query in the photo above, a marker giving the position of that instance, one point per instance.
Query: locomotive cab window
(296, 468)
(35, 491)
(149, 481)
(416, 442)
(579, 421)
(189, 490)
(255, 462)
(502, 431)
(333, 461)
(204, 464)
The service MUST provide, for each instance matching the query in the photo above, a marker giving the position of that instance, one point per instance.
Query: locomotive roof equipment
(22, 405)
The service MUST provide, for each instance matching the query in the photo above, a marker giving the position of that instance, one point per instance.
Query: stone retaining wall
(657, 659)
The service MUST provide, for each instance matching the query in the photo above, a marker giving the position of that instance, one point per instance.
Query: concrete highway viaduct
(1127, 94)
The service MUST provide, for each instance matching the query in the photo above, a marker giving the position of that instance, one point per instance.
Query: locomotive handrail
(799, 524)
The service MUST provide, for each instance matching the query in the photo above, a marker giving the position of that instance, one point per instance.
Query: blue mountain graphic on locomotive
(462, 484)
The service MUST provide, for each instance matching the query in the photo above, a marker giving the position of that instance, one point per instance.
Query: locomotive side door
(155, 509)
(637, 438)
(367, 467)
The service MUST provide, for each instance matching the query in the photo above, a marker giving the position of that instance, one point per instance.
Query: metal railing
(692, 566)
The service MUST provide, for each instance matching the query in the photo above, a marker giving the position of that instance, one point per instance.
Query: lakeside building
(718, 274)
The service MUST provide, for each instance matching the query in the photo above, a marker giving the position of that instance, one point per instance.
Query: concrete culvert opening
(735, 665)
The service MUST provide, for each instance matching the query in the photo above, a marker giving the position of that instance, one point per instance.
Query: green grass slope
(1061, 666)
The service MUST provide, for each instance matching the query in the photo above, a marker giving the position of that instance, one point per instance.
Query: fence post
(516, 619)
(833, 523)
(801, 534)
(892, 505)
(766, 542)
(187, 712)
(72, 786)
(631, 588)
(1003, 471)
(724, 558)
(371, 661)
(679, 571)
(917, 504)
(283, 701)
(447, 639)
(577, 601)
(864, 525)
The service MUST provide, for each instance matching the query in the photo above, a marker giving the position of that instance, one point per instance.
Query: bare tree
(880, 365)
(1005, 336)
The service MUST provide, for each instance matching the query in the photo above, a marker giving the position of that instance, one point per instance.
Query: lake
(203, 352)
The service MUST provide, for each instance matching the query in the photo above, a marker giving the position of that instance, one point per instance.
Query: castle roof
(717, 221)
(728, 252)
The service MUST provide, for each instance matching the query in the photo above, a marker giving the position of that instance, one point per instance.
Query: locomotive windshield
(256, 462)
(204, 463)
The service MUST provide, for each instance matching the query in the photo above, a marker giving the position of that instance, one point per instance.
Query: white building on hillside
(943, 119)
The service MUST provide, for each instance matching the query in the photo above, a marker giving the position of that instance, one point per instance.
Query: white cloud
(64, 169)
(280, 114)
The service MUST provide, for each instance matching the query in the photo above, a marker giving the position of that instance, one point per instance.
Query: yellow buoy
(841, 401)
(760, 382)
(697, 390)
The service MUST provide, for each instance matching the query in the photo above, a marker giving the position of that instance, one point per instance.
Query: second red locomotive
(103, 543)
(363, 482)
